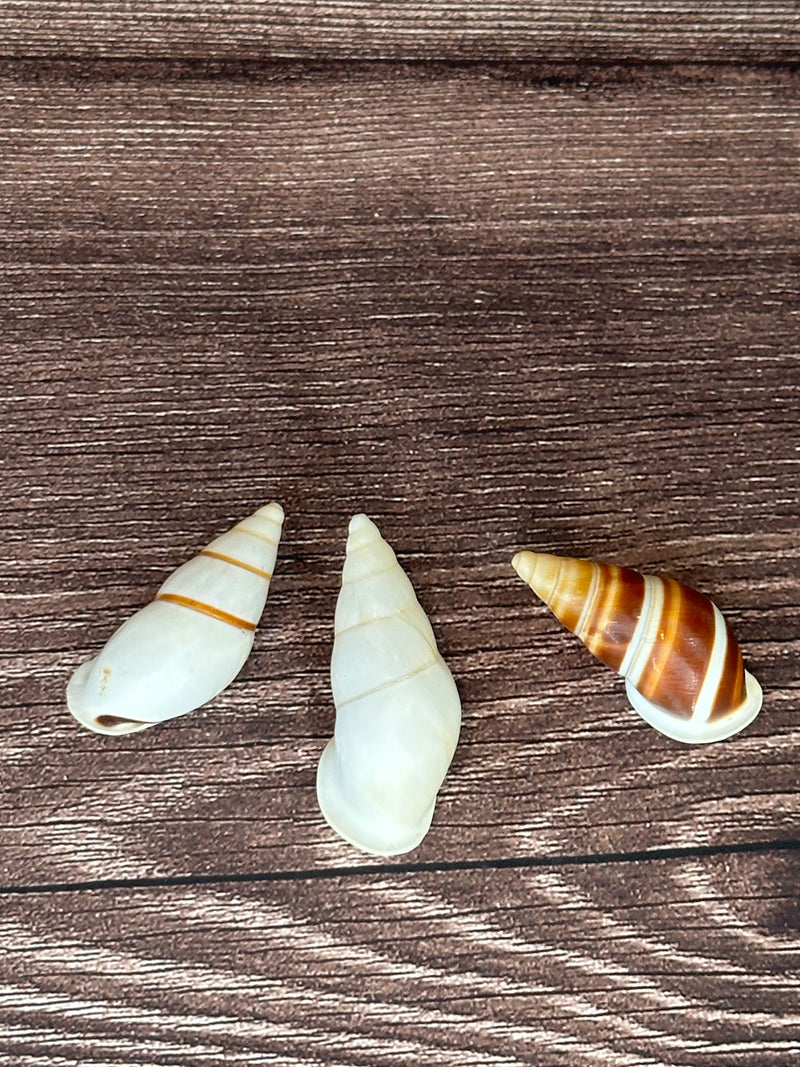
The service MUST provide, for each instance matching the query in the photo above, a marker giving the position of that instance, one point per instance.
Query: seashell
(681, 662)
(398, 712)
(186, 646)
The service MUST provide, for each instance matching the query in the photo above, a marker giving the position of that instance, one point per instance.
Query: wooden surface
(518, 297)
(468, 31)
(683, 962)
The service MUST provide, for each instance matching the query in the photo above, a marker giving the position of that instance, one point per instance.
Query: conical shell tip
(522, 565)
(272, 511)
(539, 570)
(362, 531)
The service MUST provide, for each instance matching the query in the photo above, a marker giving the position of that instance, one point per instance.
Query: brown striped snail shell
(681, 662)
(190, 642)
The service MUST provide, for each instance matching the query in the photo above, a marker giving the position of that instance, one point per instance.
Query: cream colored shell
(186, 646)
(398, 713)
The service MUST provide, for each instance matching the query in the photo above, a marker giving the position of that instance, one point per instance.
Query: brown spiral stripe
(657, 632)
(207, 609)
(731, 690)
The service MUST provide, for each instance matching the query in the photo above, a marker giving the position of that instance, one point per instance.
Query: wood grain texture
(503, 275)
(491, 314)
(693, 962)
(730, 30)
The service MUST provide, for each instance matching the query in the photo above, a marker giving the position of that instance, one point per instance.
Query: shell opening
(698, 731)
(356, 822)
(108, 722)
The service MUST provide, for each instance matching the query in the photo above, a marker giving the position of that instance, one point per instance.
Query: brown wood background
(501, 275)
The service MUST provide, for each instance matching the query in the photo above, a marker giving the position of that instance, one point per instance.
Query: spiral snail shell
(398, 712)
(190, 642)
(681, 662)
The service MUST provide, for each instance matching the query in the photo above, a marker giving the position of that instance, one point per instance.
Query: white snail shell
(189, 643)
(398, 713)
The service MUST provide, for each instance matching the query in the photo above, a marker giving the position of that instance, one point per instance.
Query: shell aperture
(681, 662)
(398, 713)
(190, 642)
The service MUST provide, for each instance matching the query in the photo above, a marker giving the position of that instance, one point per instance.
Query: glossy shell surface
(186, 646)
(681, 662)
(398, 712)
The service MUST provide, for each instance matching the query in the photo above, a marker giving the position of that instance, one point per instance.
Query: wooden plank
(728, 30)
(694, 962)
(492, 315)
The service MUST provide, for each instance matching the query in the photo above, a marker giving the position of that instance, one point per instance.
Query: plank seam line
(537, 66)
(329, 873)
